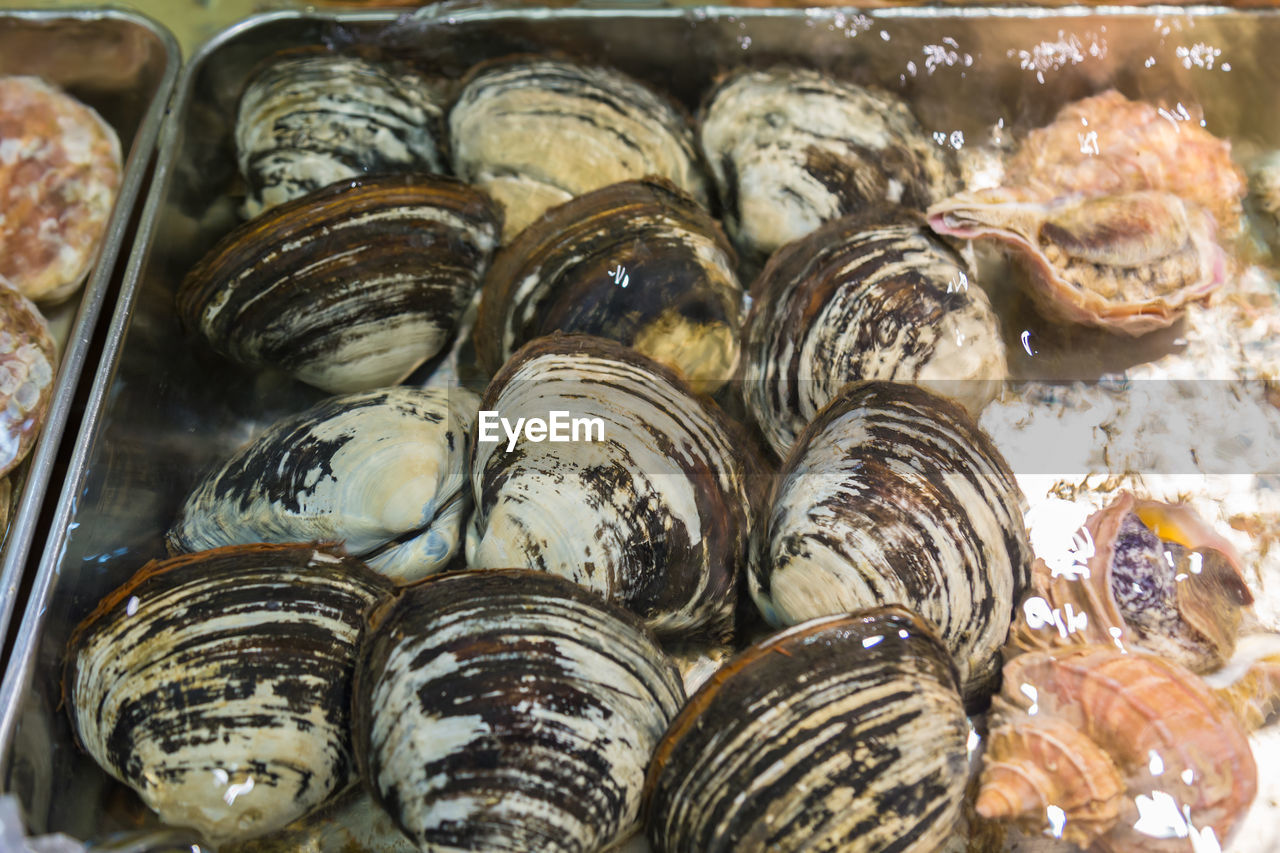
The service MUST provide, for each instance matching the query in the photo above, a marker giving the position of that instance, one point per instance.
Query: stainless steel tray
(124, 66)
(160, 410)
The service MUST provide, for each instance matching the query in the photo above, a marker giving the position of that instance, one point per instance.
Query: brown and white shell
(869, 296)
(60, 172)
(349, 288)
(1116, 752)
(790, 148)
(28, 364)
(536, 131)
(894, 495)
(639, 262)
(846, 732)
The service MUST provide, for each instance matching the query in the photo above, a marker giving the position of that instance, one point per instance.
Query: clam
(310, 117)
(638, 262)
(893, 495)
(510, 711)
(348, 288)
(869, 296)
(843, 733)
(60, 173)
(28, 361)
(1147, 575)
(644, 498)
(790, 149)
(383, 472)
(1118, 211)
(1114, 751)
(217, 684)
(536, 131)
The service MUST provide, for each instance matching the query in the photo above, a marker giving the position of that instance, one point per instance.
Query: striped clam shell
(893, 495)
(650, 510)
(510, 711)
(789, 149)
(28, 362)
(844, 733)
(638, 262)
(310, 117)
(870, 296)
(383, 472)
(537, 131)
(217, 685)
(349, 288)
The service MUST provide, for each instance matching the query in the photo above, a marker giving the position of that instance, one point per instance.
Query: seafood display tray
(162, 410)
(124, 66)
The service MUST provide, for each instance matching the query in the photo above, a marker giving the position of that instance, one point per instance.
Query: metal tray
(160, 410)
(124, 66)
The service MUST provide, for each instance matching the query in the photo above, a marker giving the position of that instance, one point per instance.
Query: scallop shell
(649, 508)
(638, 262)
(60, 173)
(893, 495)
(349, 288)
(28, 362)
(535, 132)
(1148, 575)
(843, 733)
(309, 118)
(870, 296)
(510, 711)
(217, 685)
(383, 472)
(790, 149)
(1129, 753)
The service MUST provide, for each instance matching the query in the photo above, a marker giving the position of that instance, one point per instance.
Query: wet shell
(349, 288)
(1128, 752)
(844, 733)
(872, 296)
(790, 149)
(28, 361)
(893, 495)
(60, 172)
(383, 472)
(649, 508)
(1147, 575)
(309, 118)
(217, 685)
(535, 132)
(638, 262)
(510, 711)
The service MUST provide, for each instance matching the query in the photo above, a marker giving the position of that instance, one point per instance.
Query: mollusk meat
(349, 288)
(638, 262)
(217, 685)
(869, 296)
(1127, 752)
(310, 117)
(843, 733)
(510, 711)
(791, 148)
(28, 361)
(649, 507)
(535, 132)
(383, 472)
(894, 495)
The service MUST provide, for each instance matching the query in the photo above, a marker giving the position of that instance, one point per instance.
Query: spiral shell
(1130, 753)
(790, 149)
(349, 288)
(535, 132)
(893, 495)
(638, 262)
(217, 685)
(309, 118)
(870, 296)
(650, 509)
(28, 362)
(510, 711)
(843, 733)
(383, 472)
